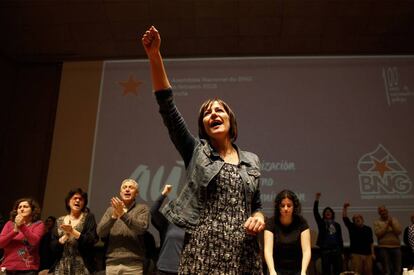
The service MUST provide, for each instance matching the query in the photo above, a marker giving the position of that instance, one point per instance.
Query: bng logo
(382, 176)
(151, 182)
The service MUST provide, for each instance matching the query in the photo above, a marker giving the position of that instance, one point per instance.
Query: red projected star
(381, 167)
(130, 86)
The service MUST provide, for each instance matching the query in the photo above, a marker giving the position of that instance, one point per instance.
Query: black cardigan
(86, 244)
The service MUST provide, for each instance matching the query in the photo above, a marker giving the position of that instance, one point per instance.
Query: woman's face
(328, 215)
(216, 121)
(76, 203)
(286, 207)
(24, 210)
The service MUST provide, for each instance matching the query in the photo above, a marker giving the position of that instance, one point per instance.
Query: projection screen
(342, 126)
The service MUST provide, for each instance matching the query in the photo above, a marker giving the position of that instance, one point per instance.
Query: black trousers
(21, 272)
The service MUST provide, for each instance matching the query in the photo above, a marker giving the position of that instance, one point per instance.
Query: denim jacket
(202, 164)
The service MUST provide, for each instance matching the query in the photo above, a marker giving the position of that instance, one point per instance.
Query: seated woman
(74, 237)
(287, 245)
(20, 238)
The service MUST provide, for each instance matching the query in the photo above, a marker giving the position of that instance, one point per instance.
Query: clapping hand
(118, 207)
(18, 221)
(67, 228)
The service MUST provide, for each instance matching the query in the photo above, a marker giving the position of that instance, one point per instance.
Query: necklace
(73, 220)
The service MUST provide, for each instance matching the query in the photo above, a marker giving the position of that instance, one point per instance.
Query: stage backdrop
(340, 126)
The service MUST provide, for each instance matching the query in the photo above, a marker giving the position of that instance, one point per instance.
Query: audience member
(151, 253)
(329, 239)
(46, 255)
(362, 243)
(2, 222)
(74, 237)
(20, 238)
(411, 242)
(407, 230)
(411, 237)
(171, 237)
(287, 244)
(388, 229)
(122, 228)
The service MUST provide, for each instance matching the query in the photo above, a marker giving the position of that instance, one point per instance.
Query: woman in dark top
(287, 245)
(74, 237)
(219, 205)
(329, 239)
(171, 237)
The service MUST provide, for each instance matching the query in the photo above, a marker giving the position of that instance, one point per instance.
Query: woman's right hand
(151, 40)
(63, 239)
(18, 220)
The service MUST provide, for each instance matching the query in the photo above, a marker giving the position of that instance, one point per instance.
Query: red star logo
(130, 86)
(381, 167)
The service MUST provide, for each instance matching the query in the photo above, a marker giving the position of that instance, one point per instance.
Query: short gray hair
(130, 180)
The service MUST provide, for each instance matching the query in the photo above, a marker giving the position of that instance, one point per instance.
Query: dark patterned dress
(219, 244)
(71, 262)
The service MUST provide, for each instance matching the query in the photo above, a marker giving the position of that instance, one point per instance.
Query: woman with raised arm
(219, 205)
(20, 238)
(287, 245)
(329, 239)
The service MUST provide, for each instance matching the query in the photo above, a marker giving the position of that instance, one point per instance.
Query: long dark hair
(33, 205)
(291, 196)
(233, 123)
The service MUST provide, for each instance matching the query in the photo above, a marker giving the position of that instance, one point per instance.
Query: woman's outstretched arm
(151, 40)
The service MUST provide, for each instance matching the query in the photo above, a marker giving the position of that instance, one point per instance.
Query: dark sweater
(326, 238)
(86, 243)
(360, 237)
(171, 239)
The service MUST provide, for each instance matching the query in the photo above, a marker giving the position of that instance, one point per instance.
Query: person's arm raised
(151, 41)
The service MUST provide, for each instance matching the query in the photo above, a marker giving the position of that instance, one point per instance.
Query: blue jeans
(390, 259)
